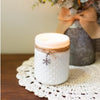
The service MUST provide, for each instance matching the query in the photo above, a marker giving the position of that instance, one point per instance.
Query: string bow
(87, 19)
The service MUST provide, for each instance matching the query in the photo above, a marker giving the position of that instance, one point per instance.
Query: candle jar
(51, 58)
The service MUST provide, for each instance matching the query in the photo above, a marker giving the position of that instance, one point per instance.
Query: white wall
(20, 24)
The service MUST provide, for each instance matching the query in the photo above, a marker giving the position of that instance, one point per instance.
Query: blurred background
(20, 23)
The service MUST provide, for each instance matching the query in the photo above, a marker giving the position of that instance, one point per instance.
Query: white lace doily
(83, 82)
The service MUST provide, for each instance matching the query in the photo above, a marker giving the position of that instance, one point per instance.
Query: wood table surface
(10, 90)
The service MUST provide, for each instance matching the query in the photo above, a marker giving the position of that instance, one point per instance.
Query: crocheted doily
(83, 82)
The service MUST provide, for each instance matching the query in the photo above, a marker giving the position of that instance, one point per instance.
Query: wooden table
(10, 90)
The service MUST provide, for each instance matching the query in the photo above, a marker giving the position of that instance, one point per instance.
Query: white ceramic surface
(51, 69)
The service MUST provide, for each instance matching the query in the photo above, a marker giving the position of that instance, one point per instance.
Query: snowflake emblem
(46, 61)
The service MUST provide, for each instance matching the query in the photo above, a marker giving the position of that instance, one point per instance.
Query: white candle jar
(51, 58)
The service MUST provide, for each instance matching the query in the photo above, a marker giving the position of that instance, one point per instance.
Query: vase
(82, 48)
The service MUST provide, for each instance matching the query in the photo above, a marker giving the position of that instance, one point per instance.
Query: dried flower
(79, 5)
(67, 4)
(83, 1)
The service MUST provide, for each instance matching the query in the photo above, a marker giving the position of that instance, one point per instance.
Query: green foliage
(76, 4)
(35, 4)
